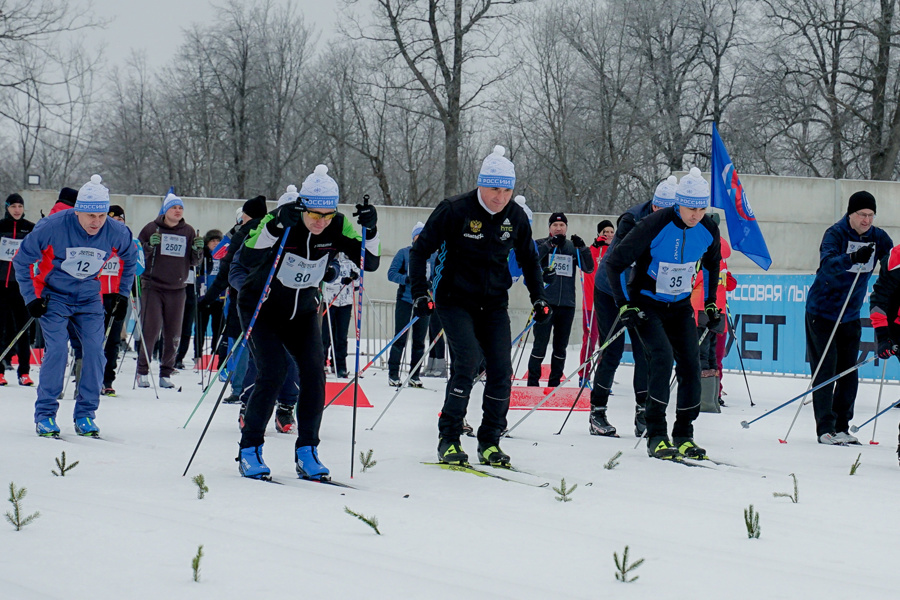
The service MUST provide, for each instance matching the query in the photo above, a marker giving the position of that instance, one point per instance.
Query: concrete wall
(793, 213)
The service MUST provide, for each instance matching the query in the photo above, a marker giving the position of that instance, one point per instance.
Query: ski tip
(745, 424)
(780, 441)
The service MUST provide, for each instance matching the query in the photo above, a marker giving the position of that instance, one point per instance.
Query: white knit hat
(319, 190)
(665, 192)
(93, 197)
(290, 195)
(520, 200)
(693, 190)
(497, 171)
(171, 201)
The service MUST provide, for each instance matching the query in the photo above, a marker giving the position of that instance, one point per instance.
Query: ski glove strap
(631, 316)
(423, 306)
(542, 311)
(886, 346)
(713, 314)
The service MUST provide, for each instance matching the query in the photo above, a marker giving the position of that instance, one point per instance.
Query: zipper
(9, 266)
(297, 291)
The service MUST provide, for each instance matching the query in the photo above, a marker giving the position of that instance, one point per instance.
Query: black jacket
(560, 290)
(473, 247)
(11, 228)
(884, 303)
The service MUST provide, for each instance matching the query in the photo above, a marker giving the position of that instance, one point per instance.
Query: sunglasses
(318, 216)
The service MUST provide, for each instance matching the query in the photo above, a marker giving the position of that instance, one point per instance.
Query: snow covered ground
(125, 524)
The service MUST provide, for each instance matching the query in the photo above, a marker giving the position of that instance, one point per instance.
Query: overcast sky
(156, 26)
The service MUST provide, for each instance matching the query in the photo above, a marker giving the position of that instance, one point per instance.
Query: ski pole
(359, 306)
(740, 354)
(854, 429)
(824, 354)
(747, 424)
(878, 404)
(375, 358)
(262, 297)
(215, 377)
(556, 389)
(590, 369)
(16, 339)
(408, 377)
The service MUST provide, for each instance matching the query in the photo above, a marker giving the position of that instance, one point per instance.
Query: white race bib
(563, 265)
(674, 278)
(191, 278)
(82, 263)
(8, 248)
(215, 268)
(111, 267)
(860, 267)
(173, 245)
(298, 273)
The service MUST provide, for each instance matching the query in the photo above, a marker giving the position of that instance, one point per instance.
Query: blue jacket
(625, 224)
(665, 253)
(399, 273)
(70, 259)
(834, 277)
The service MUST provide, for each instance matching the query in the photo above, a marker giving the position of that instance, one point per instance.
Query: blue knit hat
(417, 229)
(319, 190)
(497, 171)
(693, 190)
(170, 201)
(664, 196)
(93, 197)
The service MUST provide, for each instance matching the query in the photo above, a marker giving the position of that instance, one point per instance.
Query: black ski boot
(688, 449)
(599, 424)
(491, 454)
(450, 452)
(640, 421)
(284, 418)
(659, 447)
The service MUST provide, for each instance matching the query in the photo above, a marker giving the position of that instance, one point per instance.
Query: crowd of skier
(277, 293)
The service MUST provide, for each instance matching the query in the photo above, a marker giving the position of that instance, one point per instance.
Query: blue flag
(729, 195)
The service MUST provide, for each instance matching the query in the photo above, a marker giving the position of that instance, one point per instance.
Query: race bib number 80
(298, 273)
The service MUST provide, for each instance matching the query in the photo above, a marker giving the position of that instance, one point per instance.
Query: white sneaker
(831, 439)
(143, 381)
(846, 438)
(166, 383)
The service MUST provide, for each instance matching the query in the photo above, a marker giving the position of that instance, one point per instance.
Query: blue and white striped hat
(664, 196)
(93, 197)
(319, 190)
(170, 201)
(497, 171)
(693, 190)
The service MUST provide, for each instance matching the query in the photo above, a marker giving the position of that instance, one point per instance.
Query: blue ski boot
(308, 465)
(47, 427)
(250, 463)
(86, 426)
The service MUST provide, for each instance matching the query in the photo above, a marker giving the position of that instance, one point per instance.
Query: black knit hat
(14, 199)
(255, 208)
(556, 217)
(68, 196)
(116, 211)
(860, 201)
(603, 225)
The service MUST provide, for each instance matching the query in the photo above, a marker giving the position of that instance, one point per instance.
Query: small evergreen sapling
(564, 493)
(15, 498)
(201, 485)
(62, 466)
(795, 498)
(613, 462)
(855, 465)
(370, 521)
(751, 520)
(195, 562)
(365, 459)
(624, 568)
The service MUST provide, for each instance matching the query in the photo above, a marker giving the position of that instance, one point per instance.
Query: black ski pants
(113, 340)
(302, 338)
(11, 322)
(670, 334)
(188, 319)
(470, 333)
(339, 327)
(560, 322)
(833, 404)
(434, 328)
(402, 315)
(606, 311)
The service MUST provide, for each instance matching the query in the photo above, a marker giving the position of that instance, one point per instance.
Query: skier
(606, 312)
(589, 332)
(559, 258)
(171, 248)
(665, 247)
(288, 319)
(884, 308)
(473, 234)
(847, 254)
(13, 229)
(73, 246)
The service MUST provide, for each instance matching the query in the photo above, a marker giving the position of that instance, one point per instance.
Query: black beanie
(556, 217)
(212, 234)
(14, 199)
(116, 211)
(603, 225)
(860, 201)
(68, 196)
(255, 208)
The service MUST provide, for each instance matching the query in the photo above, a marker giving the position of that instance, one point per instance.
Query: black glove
(206, 301)
(631, 316)
(862, 254)
(37, 308)
(423, 306)
(548, 273)
(331, 273)
(366, 215)
(886, 346)
(119, 307)
(542, 311)
(577, 241)
(713, 314)
(353, 276)
(558, 240)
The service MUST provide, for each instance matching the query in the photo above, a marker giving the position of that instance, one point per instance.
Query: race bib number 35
(298, 273)
(8, 248)
(674, 278)
(82, 263)
(173, 245)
